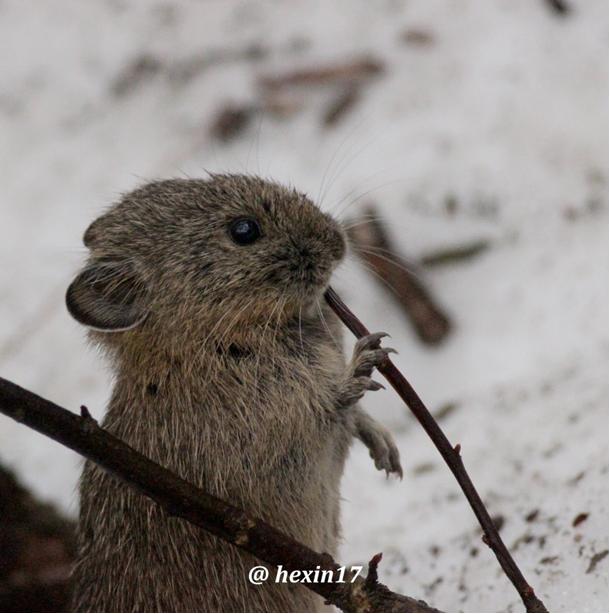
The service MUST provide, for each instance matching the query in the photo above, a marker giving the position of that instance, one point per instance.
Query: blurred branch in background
(282, 95)
(352, 71)
(455, 254)
(371, 242)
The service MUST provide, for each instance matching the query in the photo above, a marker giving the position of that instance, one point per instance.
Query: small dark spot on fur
(233, 351)
(238, 352)
(152, 389)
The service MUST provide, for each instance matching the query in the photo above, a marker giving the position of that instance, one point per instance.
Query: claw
(396, 467)
(366, 360)
(371, 341)
(380, 444)
(368, 354)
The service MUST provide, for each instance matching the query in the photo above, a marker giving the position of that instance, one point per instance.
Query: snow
(503, 112)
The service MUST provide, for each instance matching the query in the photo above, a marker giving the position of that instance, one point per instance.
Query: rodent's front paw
(380, 443)
(368, 354)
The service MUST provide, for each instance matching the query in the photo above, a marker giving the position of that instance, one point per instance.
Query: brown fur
(228, 372)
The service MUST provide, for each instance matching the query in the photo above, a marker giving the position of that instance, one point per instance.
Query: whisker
(380, 277)
(260, 347)
(391, 261)
(256, 140)
(323, 320)
(353, 201)
(354, 190)
(348, 136)
(343, 165)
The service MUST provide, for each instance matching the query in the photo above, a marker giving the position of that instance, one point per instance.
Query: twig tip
(372, 577)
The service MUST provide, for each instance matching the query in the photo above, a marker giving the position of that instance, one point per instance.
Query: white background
(505, 111)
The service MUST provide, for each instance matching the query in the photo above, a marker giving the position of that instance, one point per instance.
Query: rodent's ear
(108, 296)
(90, 236)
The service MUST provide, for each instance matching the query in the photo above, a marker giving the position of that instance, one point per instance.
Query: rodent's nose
(304, 252)
(306, 258)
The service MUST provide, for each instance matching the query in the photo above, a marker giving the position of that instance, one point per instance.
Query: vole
(207, 296)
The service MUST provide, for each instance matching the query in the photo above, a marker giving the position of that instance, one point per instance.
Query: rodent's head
(184, 253)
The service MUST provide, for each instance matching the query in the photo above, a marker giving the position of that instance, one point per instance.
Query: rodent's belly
(281, 451)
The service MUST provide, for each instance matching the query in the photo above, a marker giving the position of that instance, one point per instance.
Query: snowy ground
(500, 107)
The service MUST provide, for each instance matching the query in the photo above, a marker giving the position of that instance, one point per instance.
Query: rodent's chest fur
(259, 428)
(256, 424)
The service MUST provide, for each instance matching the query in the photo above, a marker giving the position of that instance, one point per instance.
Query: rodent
(206, 296)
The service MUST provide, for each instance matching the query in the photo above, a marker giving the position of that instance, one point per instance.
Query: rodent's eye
(244, 231)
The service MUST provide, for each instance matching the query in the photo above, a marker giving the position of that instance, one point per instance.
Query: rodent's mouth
(303, 269)
(311, 286)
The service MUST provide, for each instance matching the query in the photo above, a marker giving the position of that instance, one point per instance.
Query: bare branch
(450, 454)
(183, 500)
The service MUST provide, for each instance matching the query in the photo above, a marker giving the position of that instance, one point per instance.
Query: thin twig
(183, 500)
(350, 71)
(451, 455)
